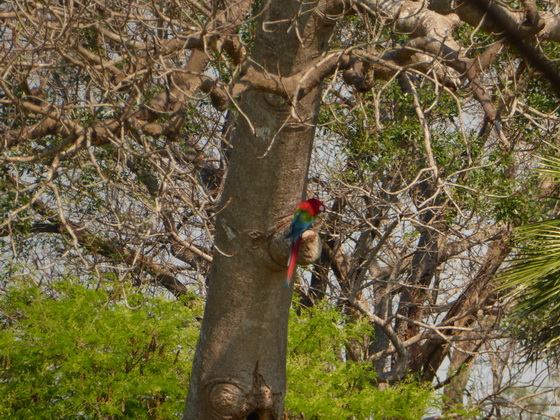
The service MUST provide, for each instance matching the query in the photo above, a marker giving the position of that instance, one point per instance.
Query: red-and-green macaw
(304, 216)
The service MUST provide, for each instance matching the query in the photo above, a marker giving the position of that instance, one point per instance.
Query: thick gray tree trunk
(240, 363)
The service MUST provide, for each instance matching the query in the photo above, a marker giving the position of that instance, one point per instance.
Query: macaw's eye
(322, 209)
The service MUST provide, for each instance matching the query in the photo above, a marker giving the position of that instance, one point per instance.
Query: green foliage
(533, 278)
(467, 36)
(538, 93)
(369, 148)
(324, 384)
(70, 351)
(406, 401)
(73, 351)
(249, 27)
(479, 175)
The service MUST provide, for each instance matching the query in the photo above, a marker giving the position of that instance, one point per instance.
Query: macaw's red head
(313, 206)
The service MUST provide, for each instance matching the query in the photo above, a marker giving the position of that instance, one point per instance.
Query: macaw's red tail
(292, 261)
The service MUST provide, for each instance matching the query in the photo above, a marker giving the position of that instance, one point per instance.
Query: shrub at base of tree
(69, 351)
(76, 351)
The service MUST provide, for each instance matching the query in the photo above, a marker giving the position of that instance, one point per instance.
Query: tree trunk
(239, 368)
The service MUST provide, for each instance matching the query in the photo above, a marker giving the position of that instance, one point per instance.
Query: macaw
(304, 216)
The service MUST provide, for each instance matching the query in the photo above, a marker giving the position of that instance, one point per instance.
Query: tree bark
(240, 362)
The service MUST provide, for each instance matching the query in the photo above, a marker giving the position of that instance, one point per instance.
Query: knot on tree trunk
(227, 399)
(230, 400)
(309, 250)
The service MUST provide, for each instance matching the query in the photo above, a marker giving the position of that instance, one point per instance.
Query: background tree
(165, 145)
